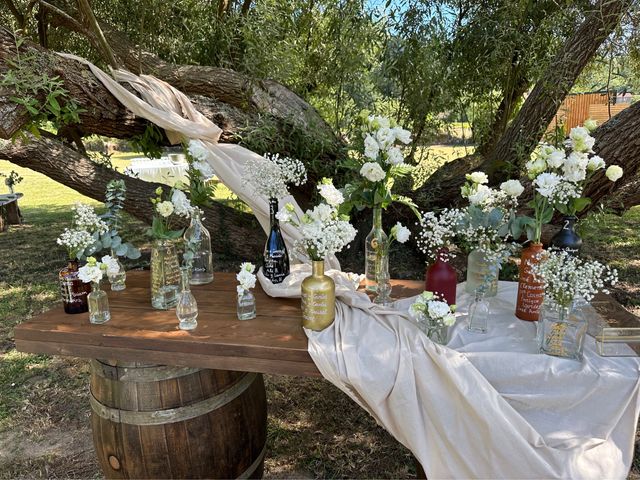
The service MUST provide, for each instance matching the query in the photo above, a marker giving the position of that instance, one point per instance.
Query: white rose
(402, 233)
(385, 137)
(90, 273)
(513, 188)
(478, 177)
(595, 163)
(331, 194)
(536, 166)
(181, 204)
(580, 139)
(164, 208)
(546, 183)
(437, 309)
(377, 121)
(394, 156)
(402, 135)
(480, 196)
(590, 124)
(372, 172)
(614, 172)
(112, 264)
(371, 147)
(556, 158)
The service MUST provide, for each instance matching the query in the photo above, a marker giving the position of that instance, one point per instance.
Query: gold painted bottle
(318, 299)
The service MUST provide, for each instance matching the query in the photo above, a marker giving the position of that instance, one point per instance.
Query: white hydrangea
(575, 167)
(376, 122)
(165, 209)
(394, 156)
(614, 172)
(513, 188)
(481, 196)
(437, 309)
(536, 166)
(205, 169)
(373, 172)
(181, 204)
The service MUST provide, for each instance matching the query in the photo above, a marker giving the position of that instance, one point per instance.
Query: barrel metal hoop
(140, 374)
(252, 468)
(172, 415)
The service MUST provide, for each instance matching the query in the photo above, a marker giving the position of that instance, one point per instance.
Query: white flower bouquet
(438, 232)
(200, 174)
(87, 227)
(166, 209)
(433, 315)
(324, 231)
(246, 278)
(271, 175)
(379, 163)
(567, 278)
(94, 271)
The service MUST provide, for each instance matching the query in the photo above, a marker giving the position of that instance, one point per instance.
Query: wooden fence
(576, 108)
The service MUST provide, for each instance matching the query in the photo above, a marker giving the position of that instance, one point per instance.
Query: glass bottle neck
(195, 217)
(185, 274)
(377, 217)
(317, 268)
(273, 209)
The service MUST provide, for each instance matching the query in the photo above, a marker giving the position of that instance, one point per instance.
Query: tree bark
(233, 232)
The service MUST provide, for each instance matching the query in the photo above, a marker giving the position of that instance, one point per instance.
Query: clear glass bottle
(118, 280)
(165, 275)
(202, 262)
(187, 308)
(479, 313)
(98, 305)
(481, 274)
(246, 305)
(276, 257)
(376, 253)
(383, 280)
(562, 330)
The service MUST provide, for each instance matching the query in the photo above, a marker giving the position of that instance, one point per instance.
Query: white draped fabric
(485, 406)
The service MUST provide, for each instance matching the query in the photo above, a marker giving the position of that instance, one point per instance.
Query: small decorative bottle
(383, 280)
(74, 292)
(118, 280)
(98, 305)
(318, 298)
(479, 313)
(187, 308)
(376, 255)
(246, 304)
(441, 278)
(202, 262)
(276, 257)
(567, 239)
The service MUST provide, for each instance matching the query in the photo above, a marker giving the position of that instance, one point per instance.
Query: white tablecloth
(161, 170)
(486, 406)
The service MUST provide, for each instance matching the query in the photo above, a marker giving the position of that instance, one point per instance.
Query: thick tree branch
(92, 23)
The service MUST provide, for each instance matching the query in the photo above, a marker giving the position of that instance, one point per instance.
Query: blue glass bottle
(276, 258)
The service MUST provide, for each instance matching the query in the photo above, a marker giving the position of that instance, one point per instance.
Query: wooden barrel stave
(189, 439)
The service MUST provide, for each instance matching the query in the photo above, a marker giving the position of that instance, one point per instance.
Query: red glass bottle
(441, 278)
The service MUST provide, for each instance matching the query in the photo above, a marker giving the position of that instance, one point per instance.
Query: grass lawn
(314, 430)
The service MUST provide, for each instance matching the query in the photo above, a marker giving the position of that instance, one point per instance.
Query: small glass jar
(481, 274)
(98, 305)
(246, 305)
(479, 313)
(187, 307)
(118, 280)
(437, 333)
(562, 329)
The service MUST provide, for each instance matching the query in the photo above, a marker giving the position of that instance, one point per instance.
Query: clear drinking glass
(479, 313)
(202, 262)
(118, 280)
(98, 305)
(187, 308)
(246, 305)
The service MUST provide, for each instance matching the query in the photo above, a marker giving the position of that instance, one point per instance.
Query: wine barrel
(154, 421)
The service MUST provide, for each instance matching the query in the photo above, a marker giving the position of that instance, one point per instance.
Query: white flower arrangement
(246, 278)
(200, 156)
(432, 313)
(111, 265)
(86, 229)
(324, 232)
(373, 172)
(177, 204)
(480, 195)
(400, 233)
(438, 231)
(331, 194)
(92, 272)
(271, 174)
(567, 278)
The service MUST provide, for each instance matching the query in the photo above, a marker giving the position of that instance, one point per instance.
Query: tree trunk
(233, 232)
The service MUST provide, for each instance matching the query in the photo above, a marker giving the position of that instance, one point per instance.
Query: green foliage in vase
(115, 196)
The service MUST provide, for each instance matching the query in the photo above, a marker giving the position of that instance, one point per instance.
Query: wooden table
(274, 342)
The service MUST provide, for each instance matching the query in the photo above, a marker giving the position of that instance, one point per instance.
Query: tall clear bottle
(202, 263)
(376, 253)
(276, 257)
(98, 305)
(187, 307)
